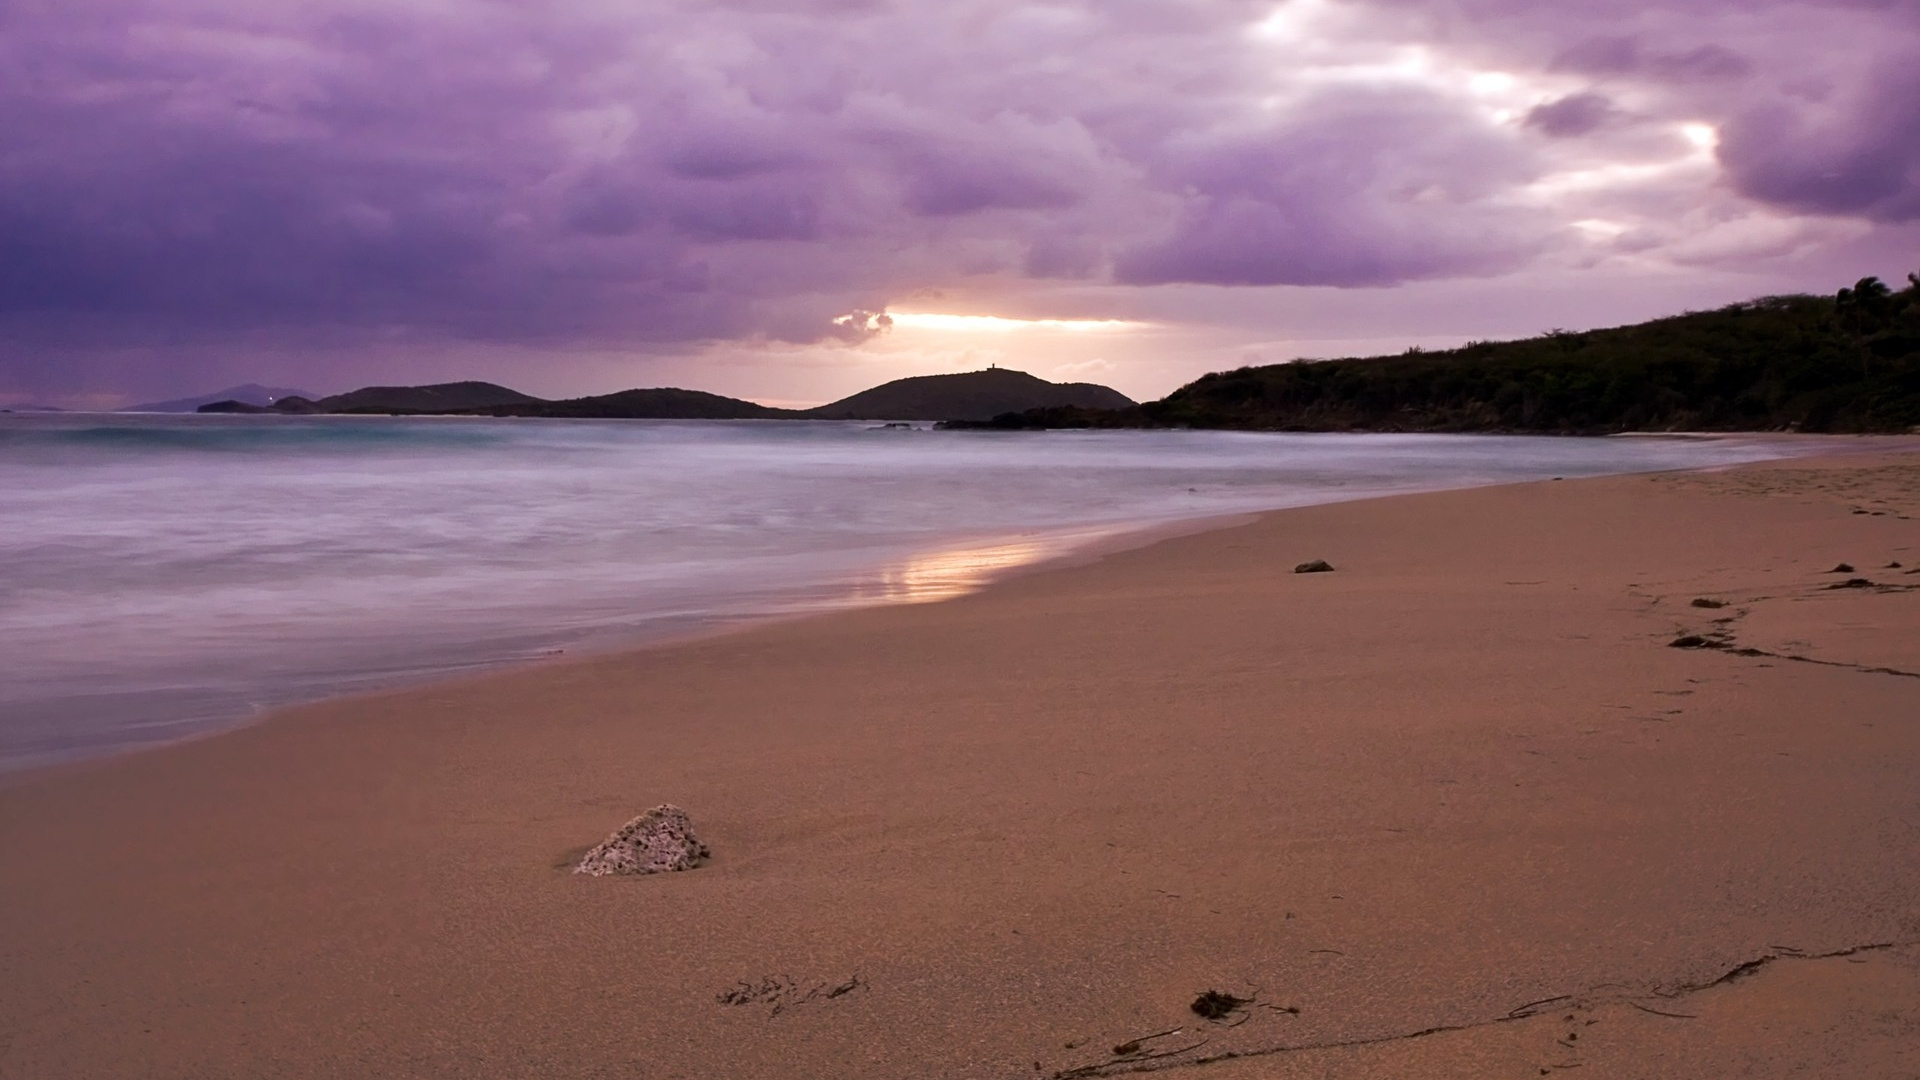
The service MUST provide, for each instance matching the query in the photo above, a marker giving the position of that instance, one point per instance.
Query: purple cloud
(1570, 116)
(1352, 189)
(193, 179)
(1856, 153)
(1614, 56)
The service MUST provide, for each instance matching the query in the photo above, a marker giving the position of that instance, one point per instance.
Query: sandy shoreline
(221, 614)
(1462, 774)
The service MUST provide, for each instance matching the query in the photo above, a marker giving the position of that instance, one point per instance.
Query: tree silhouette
(1863, 309)
(1868, 295)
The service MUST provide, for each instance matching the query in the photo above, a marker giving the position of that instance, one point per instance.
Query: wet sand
(1458, 803)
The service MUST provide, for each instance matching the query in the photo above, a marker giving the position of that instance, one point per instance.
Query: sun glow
(1702, 138)
(1291, 21)
(1310, 54)
(996, 324)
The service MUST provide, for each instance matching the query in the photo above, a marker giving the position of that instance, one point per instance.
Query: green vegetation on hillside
(1845, 363)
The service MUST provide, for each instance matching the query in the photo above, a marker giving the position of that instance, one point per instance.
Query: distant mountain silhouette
(292, 405)
(246, 393)
(437, 398)
(972, 395)
(664, 403)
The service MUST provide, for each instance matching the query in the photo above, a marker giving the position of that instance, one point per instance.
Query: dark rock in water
(1701, 601)
(1842, 568)
(658, 841)
(1317, 566)
(1694, 641)
(1895, 565)
(1852, 583)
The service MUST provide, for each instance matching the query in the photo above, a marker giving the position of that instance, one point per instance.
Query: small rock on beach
(658, 841)
(1317, 566)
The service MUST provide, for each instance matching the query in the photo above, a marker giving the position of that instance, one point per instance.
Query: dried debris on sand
(658, 841)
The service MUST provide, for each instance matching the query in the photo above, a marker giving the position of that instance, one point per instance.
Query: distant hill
(437, 398)
(665, 403)
(246, 393)
(488, 399)
(291, 405)
(1846, 363)
(973, 395)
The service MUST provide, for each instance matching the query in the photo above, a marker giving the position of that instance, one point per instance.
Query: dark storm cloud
(200, 172)
(1354, 189)
(1704, 62)
(1815, 100)
(1857, 155)
(1573, 115)
(1609, 56)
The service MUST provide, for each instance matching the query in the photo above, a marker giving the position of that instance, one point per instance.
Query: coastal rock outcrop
(658, 841)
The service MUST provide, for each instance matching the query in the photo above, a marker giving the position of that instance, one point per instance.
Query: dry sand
(1460, 783)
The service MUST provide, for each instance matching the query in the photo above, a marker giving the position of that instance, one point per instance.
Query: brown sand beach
(1457, 809)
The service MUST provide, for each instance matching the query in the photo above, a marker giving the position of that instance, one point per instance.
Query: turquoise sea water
(164, 575)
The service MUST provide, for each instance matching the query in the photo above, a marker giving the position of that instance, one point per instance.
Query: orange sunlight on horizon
(1001, 324)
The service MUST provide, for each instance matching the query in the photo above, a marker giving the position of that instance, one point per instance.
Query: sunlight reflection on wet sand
(955, 571)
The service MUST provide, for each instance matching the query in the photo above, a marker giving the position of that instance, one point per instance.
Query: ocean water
(161, 576)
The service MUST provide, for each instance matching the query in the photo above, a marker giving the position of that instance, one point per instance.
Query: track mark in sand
(1583, 1001)
(1222, 1012)
(1662, 1012)
(1778, 953)
(1729, 647)
(1721, 637)
(781, 993)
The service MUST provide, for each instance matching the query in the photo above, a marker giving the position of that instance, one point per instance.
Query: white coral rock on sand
(658, 841)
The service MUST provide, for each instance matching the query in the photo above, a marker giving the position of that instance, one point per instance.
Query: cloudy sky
(577, 196)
